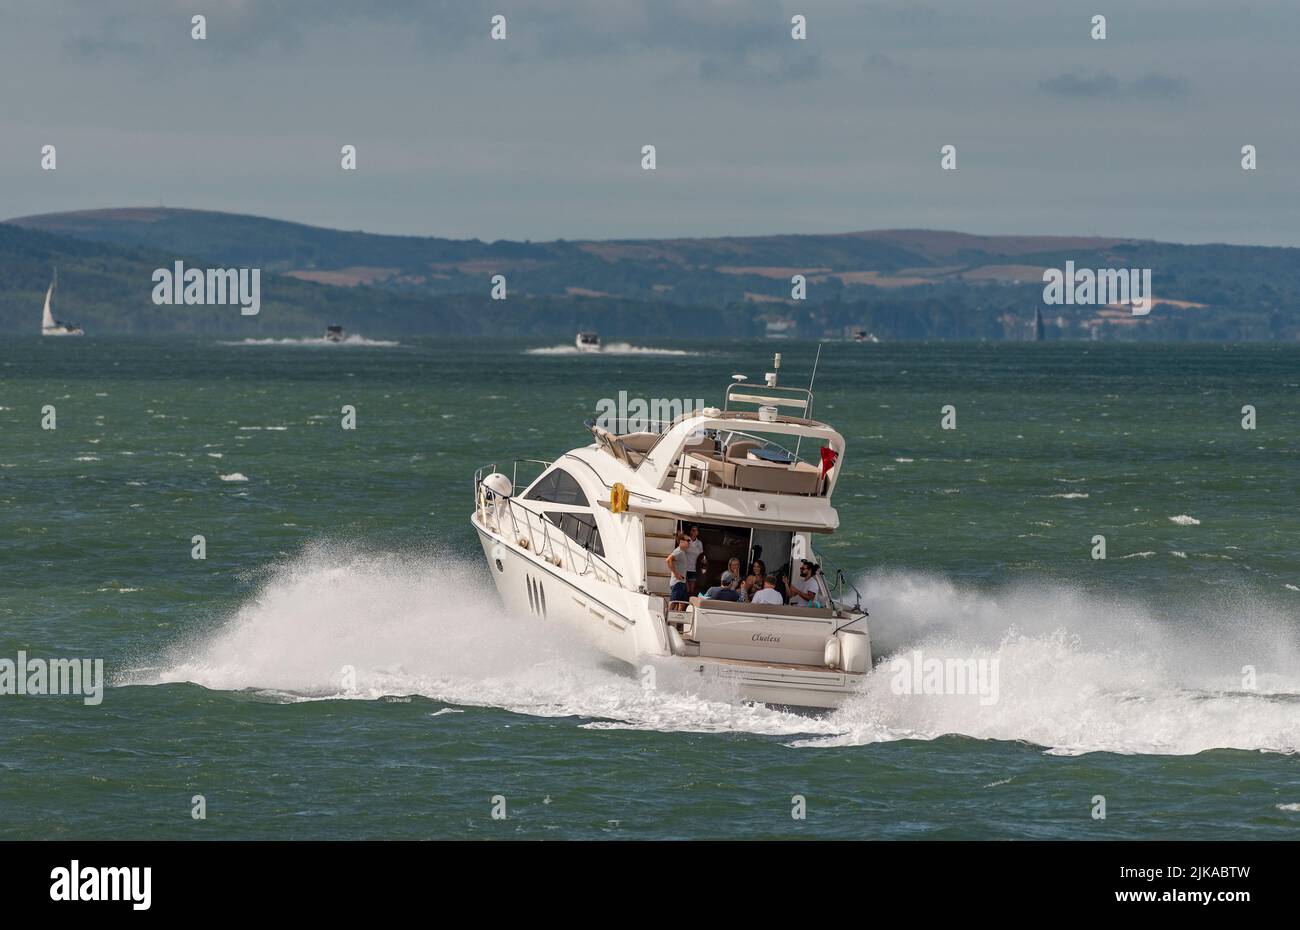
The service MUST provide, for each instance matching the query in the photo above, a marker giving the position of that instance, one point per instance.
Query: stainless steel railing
(555, 546)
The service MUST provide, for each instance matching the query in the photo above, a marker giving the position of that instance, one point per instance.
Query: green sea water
(1165, 677)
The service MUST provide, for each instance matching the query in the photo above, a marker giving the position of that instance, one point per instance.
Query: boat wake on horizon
(355, 339)
(613, 348)
(1075, 673)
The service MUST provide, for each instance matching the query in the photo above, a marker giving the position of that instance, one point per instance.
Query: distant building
(780, 329)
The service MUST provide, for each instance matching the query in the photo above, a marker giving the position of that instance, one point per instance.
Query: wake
(1078, 673)
(613, 348)
(355, 339)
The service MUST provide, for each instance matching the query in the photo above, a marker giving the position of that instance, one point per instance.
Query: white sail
(47, 321)
(49, 325)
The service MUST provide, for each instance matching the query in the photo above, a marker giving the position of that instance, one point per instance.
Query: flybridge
(734, 449)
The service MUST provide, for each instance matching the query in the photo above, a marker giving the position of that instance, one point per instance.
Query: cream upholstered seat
(639, 442)
(740, 448)
(778, 479)
(778, 610)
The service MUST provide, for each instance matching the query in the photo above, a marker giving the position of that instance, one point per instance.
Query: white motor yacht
(587, 342)
(585, 543)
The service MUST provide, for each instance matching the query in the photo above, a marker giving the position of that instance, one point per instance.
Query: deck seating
(761, 632)
(776, 610)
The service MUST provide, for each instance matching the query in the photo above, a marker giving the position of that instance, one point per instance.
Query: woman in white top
(734, 567)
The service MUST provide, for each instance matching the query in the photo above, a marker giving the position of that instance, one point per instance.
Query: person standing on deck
(677, 562)
(693, 553)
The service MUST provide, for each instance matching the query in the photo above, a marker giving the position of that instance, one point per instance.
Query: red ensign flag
(829, 456)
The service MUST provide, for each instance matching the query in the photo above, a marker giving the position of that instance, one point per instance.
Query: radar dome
(499, 485)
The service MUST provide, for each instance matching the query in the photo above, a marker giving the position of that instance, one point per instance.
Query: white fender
(832, 652)
(855, 650)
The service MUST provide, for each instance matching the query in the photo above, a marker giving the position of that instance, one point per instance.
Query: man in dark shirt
(725, 591)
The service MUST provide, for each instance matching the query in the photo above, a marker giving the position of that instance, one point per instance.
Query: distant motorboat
(334, 334)
(588, 342)
(861, 335)
(49, 325)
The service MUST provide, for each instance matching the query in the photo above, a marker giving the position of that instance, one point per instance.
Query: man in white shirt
(769, 594)
(804, 590)
(693, 552)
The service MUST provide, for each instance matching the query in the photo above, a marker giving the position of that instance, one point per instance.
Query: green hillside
(108, 290)
(899, 284)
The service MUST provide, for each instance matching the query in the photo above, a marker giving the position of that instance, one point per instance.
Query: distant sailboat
(49, 325)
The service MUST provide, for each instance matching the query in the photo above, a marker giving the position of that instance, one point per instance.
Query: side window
(558, 487)
(580, 527)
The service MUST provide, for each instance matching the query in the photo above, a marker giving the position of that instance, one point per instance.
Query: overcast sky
(539, 136)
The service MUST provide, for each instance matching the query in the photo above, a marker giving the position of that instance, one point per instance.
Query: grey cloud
(585, 28)
(1098, 84)
(160, 30)
(764, 69)
(1103, 84)
(883, 64)
(1161, 85)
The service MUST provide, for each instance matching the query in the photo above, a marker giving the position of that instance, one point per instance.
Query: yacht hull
(530, 586)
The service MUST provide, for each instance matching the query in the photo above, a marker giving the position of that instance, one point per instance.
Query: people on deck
(783, 585)
(677, 562)
(805, 591)
(769, 594)
(754, 582)
(733, 567)
(694, 552)
(726, 591)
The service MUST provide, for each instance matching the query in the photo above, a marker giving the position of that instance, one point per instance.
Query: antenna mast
(807, 413)
(816, 361)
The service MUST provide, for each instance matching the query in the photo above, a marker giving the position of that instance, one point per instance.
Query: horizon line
(18, 221)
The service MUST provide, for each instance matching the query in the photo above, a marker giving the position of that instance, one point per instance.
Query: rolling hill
(898, 283)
